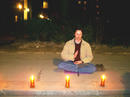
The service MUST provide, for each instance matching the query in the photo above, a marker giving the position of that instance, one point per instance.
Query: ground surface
(68, 96)
(18, 62)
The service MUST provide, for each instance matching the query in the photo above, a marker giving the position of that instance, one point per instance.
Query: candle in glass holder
(103, 78)
(32, 82)
(67, 84)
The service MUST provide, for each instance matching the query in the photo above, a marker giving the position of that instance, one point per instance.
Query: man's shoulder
(70, 41)
(85, 43)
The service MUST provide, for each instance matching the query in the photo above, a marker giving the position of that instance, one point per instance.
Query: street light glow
(27, 9)
(16, 18)
(79, 2)
(41, 16)
(45, 4)
(19, 6)
(85, 2)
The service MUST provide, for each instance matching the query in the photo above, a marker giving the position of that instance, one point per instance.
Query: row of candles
(67, 81)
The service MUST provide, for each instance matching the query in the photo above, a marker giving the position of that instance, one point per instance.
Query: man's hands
(75, 54)
(78, 62)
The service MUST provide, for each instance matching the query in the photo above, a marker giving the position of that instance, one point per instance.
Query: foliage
(50, 30)
(60, 31)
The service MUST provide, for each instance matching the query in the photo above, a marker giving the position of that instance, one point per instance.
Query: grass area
(25, 45)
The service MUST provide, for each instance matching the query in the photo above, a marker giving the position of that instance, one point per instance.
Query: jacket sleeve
(65, 53)
(89, 55)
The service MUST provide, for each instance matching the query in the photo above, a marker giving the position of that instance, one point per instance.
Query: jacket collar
(83, 42)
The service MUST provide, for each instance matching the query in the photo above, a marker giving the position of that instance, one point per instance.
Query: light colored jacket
(85, 51)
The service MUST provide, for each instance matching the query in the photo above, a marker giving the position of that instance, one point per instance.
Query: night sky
(116, 12)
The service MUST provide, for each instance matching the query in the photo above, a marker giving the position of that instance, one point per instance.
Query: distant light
(47, 18)
(45, 4)
(85, 2)
(27, 9)
(79, 2)
(16, 18)
(41, 16)
(19, 6)
(97, 6)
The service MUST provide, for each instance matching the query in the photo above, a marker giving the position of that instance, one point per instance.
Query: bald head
(78, 35)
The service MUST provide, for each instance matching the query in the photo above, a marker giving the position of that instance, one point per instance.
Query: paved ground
(16, 68)
(69, 96)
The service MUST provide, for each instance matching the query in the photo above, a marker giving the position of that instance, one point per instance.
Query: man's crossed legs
(82, 68)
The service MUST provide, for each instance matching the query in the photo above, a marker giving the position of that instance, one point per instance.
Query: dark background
(115, 14)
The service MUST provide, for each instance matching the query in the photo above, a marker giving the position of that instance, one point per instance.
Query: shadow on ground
(57, 61)
(126, 82)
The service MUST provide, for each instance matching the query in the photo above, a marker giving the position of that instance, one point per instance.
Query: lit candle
(32, 82)
(67, 84)
(103, 78)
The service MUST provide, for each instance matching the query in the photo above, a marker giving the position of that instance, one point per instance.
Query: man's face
(78, 34)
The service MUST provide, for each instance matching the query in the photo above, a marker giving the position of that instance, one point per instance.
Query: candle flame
(103, 77)
(67, 77)
(32, 77)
